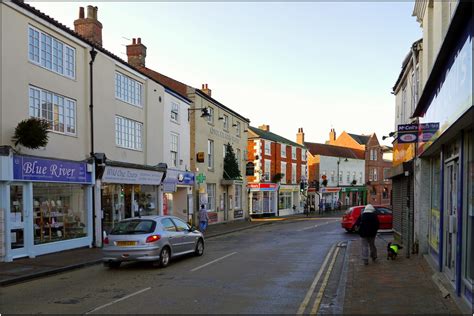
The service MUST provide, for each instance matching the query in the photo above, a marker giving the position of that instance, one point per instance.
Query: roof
(405, 63)
(273, 137)
(179, 87)
(215, 102)
(334, 151)
(66, 29)
(361, 139)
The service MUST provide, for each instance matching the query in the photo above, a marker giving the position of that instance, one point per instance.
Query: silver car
(151, 238)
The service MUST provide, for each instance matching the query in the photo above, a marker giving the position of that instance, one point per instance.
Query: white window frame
(45, 56)
(174, 149)
(55, 109)
(174, 115)
(371, 174)
(210, 154)
(128, 89)
(283, 151)
(238, 129)
(268, 147)
(211, 196)
(303, 172)
(267, 172)
(303, 154)
(224, 150)
(375, 174)
(238, 197)
(360, 177)
(128, 133)
(210, 118)
(238, 154)
(293, 152)
(283, 171)
(293, 173)
(333, 176)
(225, 119)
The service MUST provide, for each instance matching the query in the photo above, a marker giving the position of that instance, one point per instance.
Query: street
(288, 267)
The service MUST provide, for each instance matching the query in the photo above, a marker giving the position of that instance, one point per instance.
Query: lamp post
(338, 175)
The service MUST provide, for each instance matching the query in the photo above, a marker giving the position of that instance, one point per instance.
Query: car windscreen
(138, 226)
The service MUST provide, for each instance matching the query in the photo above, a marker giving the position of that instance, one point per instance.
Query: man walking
(368, 224)
(203, 218)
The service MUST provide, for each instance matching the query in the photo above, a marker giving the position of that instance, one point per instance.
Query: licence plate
(126, 243)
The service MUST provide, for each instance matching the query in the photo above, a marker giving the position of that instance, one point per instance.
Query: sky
(316, 65)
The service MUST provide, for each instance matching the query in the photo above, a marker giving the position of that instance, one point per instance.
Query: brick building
(280, 167)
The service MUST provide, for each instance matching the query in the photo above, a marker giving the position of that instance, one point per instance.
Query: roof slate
(361, 139)
(273, 137)
(334, 151)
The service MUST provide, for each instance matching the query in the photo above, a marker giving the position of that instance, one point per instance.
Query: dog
(392, 250)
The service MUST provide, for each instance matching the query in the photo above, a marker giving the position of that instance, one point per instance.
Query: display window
(434, 228)
(60, 212)
(285, 200)
(121, 201)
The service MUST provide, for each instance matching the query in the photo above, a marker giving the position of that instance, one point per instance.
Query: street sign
(427, 130)
(201, 178)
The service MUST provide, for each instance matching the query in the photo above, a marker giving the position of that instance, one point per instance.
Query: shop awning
(128, 173)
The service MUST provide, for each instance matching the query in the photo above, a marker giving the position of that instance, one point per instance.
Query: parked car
(350, 217)
(151, 238)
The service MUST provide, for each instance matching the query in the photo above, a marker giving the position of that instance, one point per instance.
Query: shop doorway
(451, 217)
(17, 221)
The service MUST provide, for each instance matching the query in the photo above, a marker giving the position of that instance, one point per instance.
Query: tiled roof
(177, 86)
(334, 151)
(214, 101)
(63, 27)
(361, 139)
(273, 137)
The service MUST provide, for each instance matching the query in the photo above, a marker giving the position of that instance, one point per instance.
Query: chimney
(332, 136)
(136, 53)
(89, 28)
(264, 127)
(300, 136)
(205, 89)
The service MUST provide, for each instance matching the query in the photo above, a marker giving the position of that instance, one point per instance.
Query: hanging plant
(31, 133)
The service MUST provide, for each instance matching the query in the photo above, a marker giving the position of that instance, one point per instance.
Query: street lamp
(204, 112)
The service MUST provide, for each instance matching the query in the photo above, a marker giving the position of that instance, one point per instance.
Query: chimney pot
(139, 40)
(90, 12)
(134, 41)
(81, 12)
(89, 28)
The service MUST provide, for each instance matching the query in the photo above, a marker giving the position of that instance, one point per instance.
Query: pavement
(401, 286)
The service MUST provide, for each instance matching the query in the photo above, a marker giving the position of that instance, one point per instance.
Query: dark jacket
(368, 223)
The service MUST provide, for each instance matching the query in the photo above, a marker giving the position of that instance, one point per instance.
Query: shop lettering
(59, 172)
(33, 168)
(121, 173)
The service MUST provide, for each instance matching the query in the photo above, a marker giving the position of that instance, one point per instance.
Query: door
(451, 213)
(17, 221)
(385, 217)
(224, 206)
(186, 238)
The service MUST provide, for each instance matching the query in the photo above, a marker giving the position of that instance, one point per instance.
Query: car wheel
(199, 248)
(112, 264)
(165, 256)
(349, 230)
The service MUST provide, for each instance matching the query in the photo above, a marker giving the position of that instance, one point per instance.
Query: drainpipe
(93, 54)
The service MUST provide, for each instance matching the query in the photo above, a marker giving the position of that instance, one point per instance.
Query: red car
(351, 215)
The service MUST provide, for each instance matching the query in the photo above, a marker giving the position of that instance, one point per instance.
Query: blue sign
(179, 177)
(50, 170)
(407, 133)
(427, 131)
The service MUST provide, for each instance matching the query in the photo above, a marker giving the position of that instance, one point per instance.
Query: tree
(231, 166)
(31, 133)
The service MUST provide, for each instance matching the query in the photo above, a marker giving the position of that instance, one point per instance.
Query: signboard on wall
(131, 176)
(50, 170)
(407, 133)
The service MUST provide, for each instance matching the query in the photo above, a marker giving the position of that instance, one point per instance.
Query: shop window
(285, 200)
(60, 212)
(238, 197)
(385, 193)
(435, 203)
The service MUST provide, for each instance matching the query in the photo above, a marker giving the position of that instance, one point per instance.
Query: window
(238, 157)
(128, 90)
(174, 149)
(386, 174)
(360, 177)
(283, 171)
(238, 197)
(180, 225)
(348, 178)
(404, 104)
(168, 225)
(340, 176)
(224, 150)
(293, 173)
(58, 111)
(51, 53)
(210, 118)
(373, 154)
(211, 196)
(303, 155)
(128, 133)
(237, 128)
(293, 153)
(267, 171)
(385, 193)
(375, 174)
(303, 172)
(268, 146)
(210, 154)
(332, 176)
(174, 112)
(226, 122)
(285, 200)
(283, 150)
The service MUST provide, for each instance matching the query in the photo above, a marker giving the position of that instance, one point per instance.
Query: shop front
(352, 196)
(47, 205)
(178, 194)
(126, 191)
(263, 198)
(329, 198)
(289, 200)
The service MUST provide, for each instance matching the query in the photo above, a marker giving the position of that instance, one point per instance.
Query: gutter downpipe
(93, 54)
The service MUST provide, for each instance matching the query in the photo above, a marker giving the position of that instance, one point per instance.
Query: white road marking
(317, 225)
(315, 282)
(319, 297)
(118, 300)
(213, 261)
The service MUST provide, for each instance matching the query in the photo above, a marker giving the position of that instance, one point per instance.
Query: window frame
(225, 121)
(211, 198)
(238, 197)
(129, 135)
(210, 154)
(126, 89)
(174, 136)
(269, 143)
(283, 151)
(175, 111)
(267, 171)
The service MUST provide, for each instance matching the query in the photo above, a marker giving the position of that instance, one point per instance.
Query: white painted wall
(329, 164)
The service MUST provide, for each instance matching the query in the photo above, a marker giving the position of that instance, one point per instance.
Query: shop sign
(50, 170)
(169, 187)
(330, 190)
(402, 153)
(201, 178)
(179, 177)
(212, 217)
(238, 213)
(131, 176)
(353, 189)
(262, 186)
(223, 135)
(407, 133)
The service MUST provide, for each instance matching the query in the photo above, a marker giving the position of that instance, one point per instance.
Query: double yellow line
(319, 296)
